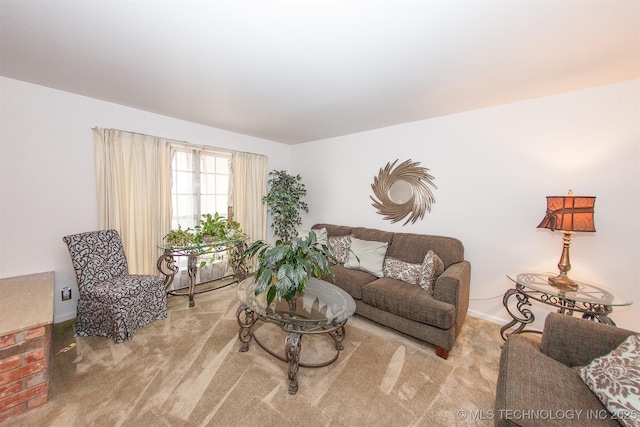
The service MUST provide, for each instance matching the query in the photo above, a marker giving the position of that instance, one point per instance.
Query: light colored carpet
(187, 371)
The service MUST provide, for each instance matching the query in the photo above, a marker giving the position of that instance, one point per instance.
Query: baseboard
(63, 317)
(487, 317)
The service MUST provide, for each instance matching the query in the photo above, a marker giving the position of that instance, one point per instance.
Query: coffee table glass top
(587, 292)
(321, 304)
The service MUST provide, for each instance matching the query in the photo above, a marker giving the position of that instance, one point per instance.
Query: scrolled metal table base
(523, 316)
(293, 342)
(168, 267)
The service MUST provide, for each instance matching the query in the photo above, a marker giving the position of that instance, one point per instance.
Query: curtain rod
(182, 142)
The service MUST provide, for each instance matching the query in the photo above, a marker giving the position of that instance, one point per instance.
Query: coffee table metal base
(293, 342)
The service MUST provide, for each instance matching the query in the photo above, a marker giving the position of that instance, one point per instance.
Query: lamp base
(562, 282)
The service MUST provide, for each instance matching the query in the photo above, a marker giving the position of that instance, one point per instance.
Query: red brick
(7, 340)
(10, 363)
(34, 356)
(37, 401)
(21, 372)
(11, 388)
(16, 410)
(22, 347)
(34, 333)
(22, 397)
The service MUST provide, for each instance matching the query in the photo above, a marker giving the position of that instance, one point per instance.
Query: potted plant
(180, 238)
(212, 227)
(284, 201)
(284, 268)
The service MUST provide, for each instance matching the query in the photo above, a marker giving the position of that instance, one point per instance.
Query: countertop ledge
(26, 302)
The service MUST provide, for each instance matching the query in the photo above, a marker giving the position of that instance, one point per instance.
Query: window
(200, 186)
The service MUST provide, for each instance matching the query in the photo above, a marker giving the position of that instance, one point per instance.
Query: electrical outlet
(66, 294)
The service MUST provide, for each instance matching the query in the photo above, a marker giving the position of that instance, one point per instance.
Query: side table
(167, 264)
(593, 301)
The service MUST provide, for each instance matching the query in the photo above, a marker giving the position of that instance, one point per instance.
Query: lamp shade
(569, 213)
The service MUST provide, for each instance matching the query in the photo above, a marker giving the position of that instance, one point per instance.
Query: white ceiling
(294, 71)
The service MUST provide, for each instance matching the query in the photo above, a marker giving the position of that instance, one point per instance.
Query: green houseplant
(212, 228)
(284, 201)
(180, 238)
(215, 227)
(284, 268)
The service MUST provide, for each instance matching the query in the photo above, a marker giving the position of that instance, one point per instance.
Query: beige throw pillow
(321, 235)
(367, 256)
(615, 379)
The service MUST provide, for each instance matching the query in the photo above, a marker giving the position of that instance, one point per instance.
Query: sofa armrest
(453, 287)
(576, 342)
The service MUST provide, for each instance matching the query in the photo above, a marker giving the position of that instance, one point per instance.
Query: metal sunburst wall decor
(403, 191)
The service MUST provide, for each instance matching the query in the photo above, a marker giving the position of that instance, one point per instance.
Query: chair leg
(442, 352)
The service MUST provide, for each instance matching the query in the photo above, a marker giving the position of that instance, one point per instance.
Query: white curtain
(133, 174)
(248, 187)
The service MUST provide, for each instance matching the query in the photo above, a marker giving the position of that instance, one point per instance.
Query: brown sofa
(405, 307)
(537, 383)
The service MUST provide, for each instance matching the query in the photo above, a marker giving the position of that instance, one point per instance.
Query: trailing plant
(180, 238)
(284, 268)
(285, 203)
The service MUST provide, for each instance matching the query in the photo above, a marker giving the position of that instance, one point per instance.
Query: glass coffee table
(593, 301)
(323, 308)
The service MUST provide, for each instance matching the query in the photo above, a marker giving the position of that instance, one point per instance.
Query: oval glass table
(595, 302)
(322, 308)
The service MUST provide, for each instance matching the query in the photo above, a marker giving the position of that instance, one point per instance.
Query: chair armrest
(453, 287)
(576, 342)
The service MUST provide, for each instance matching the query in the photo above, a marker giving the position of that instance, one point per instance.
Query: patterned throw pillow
(432, 267)
(615, 379)
(400, 270)
(340, 245)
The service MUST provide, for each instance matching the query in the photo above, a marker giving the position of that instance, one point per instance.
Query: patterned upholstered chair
(112, 302)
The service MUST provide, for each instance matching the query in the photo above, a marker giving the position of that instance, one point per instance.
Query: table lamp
(567, 214)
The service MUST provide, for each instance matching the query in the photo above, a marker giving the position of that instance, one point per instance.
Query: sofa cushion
(400, 270)
(529, 382)
(350, 280)
(414, 247)
(372, 234)
(615, 379)
(334, 230)
(367, 256)
(409, 301)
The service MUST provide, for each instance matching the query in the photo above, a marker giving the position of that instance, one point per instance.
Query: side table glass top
(586, 293)
(201, 248)
(321, 304)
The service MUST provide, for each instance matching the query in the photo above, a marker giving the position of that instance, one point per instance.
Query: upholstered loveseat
(539, 381)
(431, 309)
